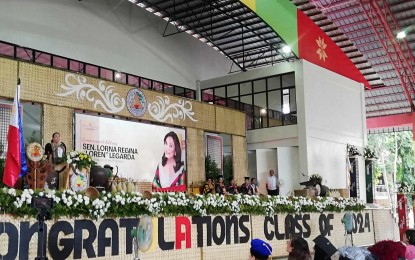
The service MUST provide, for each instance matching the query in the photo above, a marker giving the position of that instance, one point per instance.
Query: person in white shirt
(272, 184)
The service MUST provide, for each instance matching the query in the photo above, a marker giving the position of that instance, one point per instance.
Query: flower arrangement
(316, 177)
(369, 154)
(405, 188)
(353, 151)
(80, 159)
(122, 204)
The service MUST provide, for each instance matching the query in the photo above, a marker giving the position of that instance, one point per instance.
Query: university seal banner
(181, 237)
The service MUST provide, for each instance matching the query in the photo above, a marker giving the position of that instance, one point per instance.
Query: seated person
(232, 187)
(246, 187)
(220, 186)
(209, 186)
(254, 187)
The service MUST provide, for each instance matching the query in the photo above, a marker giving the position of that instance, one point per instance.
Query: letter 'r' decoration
(102, 96)
(162, 110)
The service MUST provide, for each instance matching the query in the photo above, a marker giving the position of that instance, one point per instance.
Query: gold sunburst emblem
(321, 51)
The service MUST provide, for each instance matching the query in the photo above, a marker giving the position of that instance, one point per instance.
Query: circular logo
(136, 102)
(145, 233)
(35, 152)
(78, 181)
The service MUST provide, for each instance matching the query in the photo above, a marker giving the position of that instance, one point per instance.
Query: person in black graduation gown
(246, 187)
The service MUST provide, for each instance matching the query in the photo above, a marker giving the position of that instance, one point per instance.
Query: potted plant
(353, 151)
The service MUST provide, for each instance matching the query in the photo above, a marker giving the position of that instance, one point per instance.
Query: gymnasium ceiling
(366, 37)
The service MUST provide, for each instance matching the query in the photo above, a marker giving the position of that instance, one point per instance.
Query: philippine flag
(16, 157)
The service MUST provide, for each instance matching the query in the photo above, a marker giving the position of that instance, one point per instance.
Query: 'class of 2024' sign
(83, 238)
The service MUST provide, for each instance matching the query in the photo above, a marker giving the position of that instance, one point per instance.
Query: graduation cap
(324, 244)
(260, 248)
(246, 178)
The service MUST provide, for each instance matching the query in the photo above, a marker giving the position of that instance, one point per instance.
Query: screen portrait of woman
(170, 173)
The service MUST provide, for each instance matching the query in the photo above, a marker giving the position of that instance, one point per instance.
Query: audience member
(260, 250)
(297, 249)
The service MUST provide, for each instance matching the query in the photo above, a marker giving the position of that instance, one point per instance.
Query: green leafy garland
(121, 204)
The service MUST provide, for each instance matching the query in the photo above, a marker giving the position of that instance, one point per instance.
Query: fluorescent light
(401, 35)
(150, 9)
(166, 18)
(286, 109)
(286, 49)
(196, 35)
(189, 31)
(133, 1)
(210, 44)
(216, 48)
(141, 5)
(182, 27)
(158, 13)
(203, 39)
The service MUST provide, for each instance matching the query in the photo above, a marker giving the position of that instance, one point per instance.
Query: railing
(17, 52)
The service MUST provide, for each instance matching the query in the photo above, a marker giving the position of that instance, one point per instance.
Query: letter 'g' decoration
(102, 96)
(162, 110)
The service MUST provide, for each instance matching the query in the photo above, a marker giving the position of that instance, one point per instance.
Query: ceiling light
(158, 13)
(117, 75)
(189, 31)
(203, 39)
(286, 49)
(216, 48)
(150, 9)
(166, 18)
(196, 35)
(182, 27)
(141, 5)
(401, 35)
(133, 1)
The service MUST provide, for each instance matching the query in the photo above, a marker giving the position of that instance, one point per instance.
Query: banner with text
(181, 237)
(142, 152)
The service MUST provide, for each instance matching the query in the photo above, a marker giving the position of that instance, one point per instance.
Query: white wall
(266, 159)
(252, 171)
(334, 116)
(114, 34)
(272, 137)
(288, 169)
